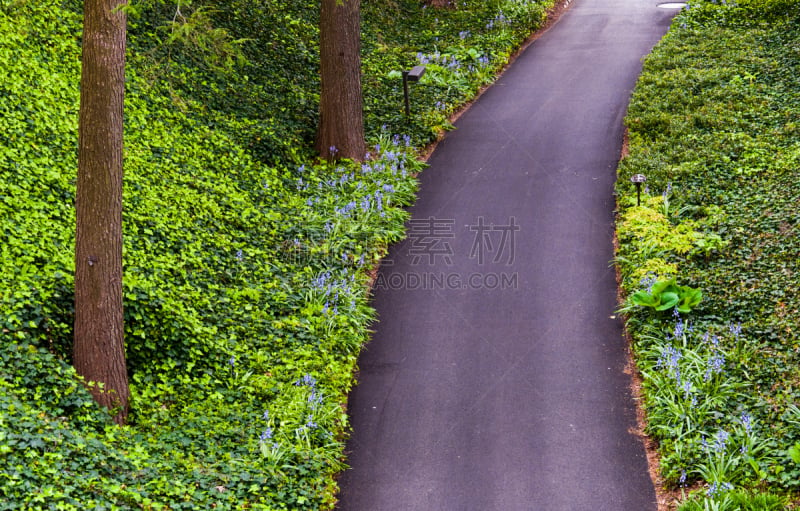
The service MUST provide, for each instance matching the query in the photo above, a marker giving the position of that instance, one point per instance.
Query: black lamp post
(638, 179)
(413, 75)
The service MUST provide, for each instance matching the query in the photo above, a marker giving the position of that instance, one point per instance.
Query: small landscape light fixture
(638, 179)
(413, 75)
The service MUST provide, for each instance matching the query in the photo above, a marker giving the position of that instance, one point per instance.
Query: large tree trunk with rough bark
(99, 350)
(341, 119)
(450, 4)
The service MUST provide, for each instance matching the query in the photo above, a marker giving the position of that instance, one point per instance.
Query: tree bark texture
(341, 119)
(99, 349)
(440, 4)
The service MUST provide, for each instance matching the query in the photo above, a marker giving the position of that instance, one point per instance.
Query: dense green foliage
(715, 126)
(245, 263)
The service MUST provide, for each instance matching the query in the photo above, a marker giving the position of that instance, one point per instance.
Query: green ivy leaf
(794, 452)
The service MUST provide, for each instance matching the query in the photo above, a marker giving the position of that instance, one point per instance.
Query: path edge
(552, 16)
(666, 499)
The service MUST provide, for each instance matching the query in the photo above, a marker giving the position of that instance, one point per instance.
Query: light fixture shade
(416, 73)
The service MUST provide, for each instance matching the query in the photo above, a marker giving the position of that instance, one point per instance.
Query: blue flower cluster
(450, 62)
(499, 20)
(718, 489)
(313, 401)
(333, 289)
(265, 439)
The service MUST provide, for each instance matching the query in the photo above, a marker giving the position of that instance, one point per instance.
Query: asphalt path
(495, 379)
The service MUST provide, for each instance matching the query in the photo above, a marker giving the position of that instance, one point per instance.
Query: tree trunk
(442, 4)
(341, 117)
(99, 349)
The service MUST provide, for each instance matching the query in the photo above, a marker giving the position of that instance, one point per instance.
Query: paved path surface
(495, 378)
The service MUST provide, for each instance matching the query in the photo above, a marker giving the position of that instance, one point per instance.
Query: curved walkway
(495, 377)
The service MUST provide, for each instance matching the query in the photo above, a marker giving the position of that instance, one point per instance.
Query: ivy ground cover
(714, 125)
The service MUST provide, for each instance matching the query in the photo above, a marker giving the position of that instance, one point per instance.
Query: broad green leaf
(668, 301)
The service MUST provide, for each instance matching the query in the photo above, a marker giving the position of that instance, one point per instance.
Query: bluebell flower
(747, 422)
(648, 281)
(314, 399)
(717, 489)
(721, 440)
(239, 254)
(736, 329)
(669, 358)
(266, 415)
(309, 380)
(715, 365)
(266, 435)
(679, 328)
(232, 361)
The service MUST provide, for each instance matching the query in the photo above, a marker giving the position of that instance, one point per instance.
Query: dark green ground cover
(246, 263)
(715, 125)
